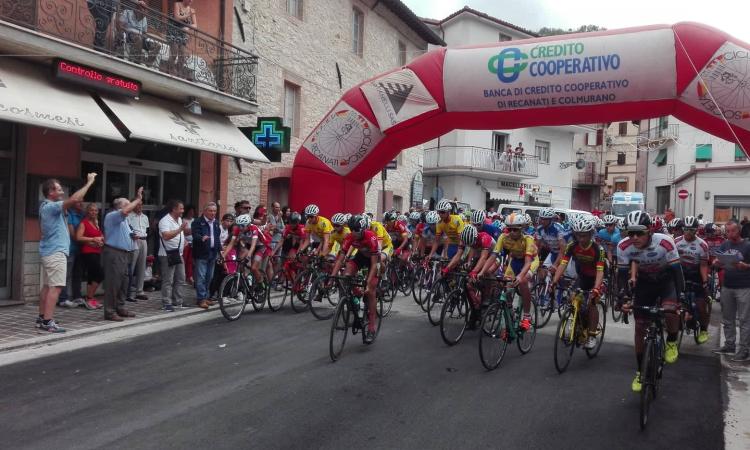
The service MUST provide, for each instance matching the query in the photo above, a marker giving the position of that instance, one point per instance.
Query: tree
(547, 31)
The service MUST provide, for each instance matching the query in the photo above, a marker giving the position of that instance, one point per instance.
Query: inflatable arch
(694, 72)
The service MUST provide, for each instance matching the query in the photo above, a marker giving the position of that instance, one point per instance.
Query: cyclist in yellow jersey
(340, 231)
(450, 225)
(320, 227)
(384, 239)
(522, 253)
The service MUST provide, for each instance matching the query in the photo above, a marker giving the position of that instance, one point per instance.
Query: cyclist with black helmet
(650, 264)
(399, 235)
(292, 237)
(361, 251)
(694, 260)
(675, 227)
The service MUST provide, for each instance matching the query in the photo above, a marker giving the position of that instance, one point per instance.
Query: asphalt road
(266, 381)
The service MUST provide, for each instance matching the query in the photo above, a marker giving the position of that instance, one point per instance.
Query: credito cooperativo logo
(545, 60)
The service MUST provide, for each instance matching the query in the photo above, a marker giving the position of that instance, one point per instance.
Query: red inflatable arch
(694, 72)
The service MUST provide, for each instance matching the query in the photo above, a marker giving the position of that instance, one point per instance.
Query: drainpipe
(695, 192)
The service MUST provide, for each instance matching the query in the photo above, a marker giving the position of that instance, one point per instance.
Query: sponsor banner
(343, 139)
(722, 88)
(574, 72)
(398, 97)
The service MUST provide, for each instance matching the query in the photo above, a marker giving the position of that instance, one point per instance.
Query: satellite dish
(580, 164)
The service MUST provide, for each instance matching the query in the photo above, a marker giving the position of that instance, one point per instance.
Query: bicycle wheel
(435, 303)
(342, 320)
(379, 314)
(565, 341)
(385, 294)
(454, 317)
(525, 339)
(682, 326)
(323, 298)
(616, 315)
(406, 279)
(300, 289)
(232, 297)
(425, 289)
(600, 329)
(648, 380)
(493, 337)
(416, 279)
(545, 304)
(259, 295)
(276, 299)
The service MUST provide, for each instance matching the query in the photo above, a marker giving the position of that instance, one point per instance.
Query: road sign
(683, 194)
(393, 165)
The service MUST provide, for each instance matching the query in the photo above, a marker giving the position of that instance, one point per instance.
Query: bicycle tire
(378, 317)
(232, 297)
(545, 311)
(435, 304)
(418, 274)
(525, 339)
(425, 289)
(494, 336)
(565, 341)
(342, 320)
(279, 278)
(301, 284)
(456, 306)
(322, 301)
(616, 315)
(386, 298)
(648, 378)
(259, 298)
(600, 328)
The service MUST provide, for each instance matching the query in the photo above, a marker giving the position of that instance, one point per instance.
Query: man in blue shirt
(609, 237)
(118, 250)
(54, 247)
(70, 296)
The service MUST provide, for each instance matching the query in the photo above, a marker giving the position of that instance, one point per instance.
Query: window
(498, 141)
(504, 37)
(541, 150)
(291, 107)
(621, 184)
(703, 153)
(294, 8)
(621, 158)
(663, 122)
(401, 54)
(661, 158)
(739, 155)
(662, 198)
(358, 32)
(623, 128)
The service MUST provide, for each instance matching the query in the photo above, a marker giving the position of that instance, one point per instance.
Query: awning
(737, 201)
(661, 158)
(503, 195)
(170, 123)
(27, 96)
(703, 152)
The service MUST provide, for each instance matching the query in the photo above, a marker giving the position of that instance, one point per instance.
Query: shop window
(739, 155)
(292, 107)
(294, 8)
(175, 186)
(151, 188)
(401, 53)
(541, 150)
(703, 153)
(358, 31)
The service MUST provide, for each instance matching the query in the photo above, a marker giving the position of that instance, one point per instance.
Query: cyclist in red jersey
(293, 235)
(367, 255)
(399, 235)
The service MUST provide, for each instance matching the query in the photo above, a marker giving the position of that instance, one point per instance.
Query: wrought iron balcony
(655, 137)
(466, 159)
(169, 47)
(589, 179)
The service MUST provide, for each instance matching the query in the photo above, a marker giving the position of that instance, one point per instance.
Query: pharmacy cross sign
(270, 136)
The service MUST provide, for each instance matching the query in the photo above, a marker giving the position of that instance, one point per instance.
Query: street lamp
(579, 162)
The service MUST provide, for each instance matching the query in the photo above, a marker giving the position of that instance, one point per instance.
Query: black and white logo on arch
(397, 97)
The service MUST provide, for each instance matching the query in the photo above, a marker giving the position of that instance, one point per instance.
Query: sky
(731, 16)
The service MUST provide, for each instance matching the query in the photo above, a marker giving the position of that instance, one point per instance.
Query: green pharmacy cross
(270, 136)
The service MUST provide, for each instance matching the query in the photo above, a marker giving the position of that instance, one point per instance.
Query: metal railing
(168, 46)
(589, 179)
(671, 131)
(477, 158)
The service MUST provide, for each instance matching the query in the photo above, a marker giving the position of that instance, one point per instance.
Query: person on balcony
(508, 163)
(183, 19)
(520, 159)
(102, 12)
(133, 26)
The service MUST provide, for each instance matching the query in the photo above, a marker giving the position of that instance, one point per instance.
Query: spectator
(133, 26)
(735, 293)
(241, 207)
(508, 157)
(71, 296)
(520, 157)
(219, 273)
(117, 255)
(745, 233)
(172, 231)
(285, 213)
(276, 222)
(206, 234)
(139, 223)
(92, 240)
(188, 217)
(54, 247)
(183, 19)
(101, 11)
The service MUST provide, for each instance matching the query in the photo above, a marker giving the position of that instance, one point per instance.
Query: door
(6, 237)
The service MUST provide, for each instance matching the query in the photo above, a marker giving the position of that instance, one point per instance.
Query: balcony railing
(480, 159)
(671, 131)
(186, 53)
(589, 179)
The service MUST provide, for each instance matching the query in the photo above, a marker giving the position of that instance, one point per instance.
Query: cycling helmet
(402, 218)
(312, 210)
(609, 219)
(478, 216)
(709, 228)
(348, 216)
(676, 223)
(528, 219)
(598, 222)
(516, 220)
(689, 222)
(295, 218)
(432, 217)
(368, 220)
(338, 219)
(547, 213)
(415, 216)
(469, 235)
(582, 224)
(243, 220)
(620, 222)
(638, 221)
(358, 223)
(390, 215)
(444, 205)
(657, 225)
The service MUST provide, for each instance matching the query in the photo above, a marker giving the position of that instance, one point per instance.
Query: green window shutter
(739, 155)
(703, 153)
(661, 158)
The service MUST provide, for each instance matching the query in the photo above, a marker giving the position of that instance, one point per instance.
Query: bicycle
(652, 362)
(501, 324)
(456, 311)
(324, 297)
(418, 273)
(611, 295)
(351, 314)
(573, 329)
(429, 278)
(303, 283)
(238, 289)
(690, 316)
(280, 280)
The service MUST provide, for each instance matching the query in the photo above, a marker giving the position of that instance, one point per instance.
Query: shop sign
(96, 79)
(270, 136)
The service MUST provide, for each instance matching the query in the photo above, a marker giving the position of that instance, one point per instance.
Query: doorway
(7, 193)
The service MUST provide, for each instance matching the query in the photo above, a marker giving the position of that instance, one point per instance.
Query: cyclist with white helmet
(292, 237)
(339, 233)
(675, 227)
(522, 252)
(650, 264)
(550, 241)
(609, 236)
(482, 224)
(590, 260)
(425, 232)
(319, 227)
(694, 255)
(450, 226)
(399, 235)
(248, 237)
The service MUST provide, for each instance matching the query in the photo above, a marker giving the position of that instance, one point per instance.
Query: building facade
(310, 54)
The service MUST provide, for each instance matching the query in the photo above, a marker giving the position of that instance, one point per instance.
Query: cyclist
(414, 219)
(483, 224)
(650, 264)
(317, 226)
(385, 244)
(252, 245)
(449, 226)
(340, 231)
(550, 241)
(658, 225)
(480, 245)
(399, 235)
(590, 260)
(609, 237)
(713, 238)
(522, 252)
(675, 227)
(292, 237)
(425, 232)
(694, 260)
(361, 251)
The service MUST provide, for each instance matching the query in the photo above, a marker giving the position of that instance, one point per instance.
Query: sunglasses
(584, 234)
(687, 229)
(636, 233)
(513, 229)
